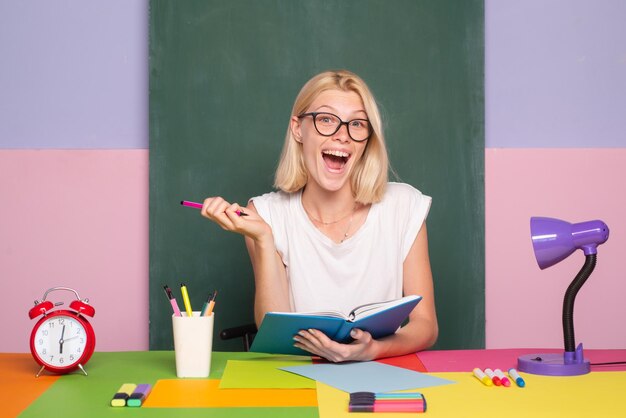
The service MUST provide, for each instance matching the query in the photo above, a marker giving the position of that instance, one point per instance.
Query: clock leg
(40, 370)
(80, 366)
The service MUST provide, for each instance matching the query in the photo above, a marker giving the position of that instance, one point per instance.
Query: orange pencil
(207, 309)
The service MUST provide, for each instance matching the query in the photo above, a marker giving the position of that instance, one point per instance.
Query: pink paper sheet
(467, 360)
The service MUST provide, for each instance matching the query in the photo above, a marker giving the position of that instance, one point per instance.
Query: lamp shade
(554, 239)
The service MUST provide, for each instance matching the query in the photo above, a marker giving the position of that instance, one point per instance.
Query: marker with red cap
(505, 380)
(495, 379)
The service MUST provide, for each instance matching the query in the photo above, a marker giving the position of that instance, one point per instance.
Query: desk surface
(599, 393)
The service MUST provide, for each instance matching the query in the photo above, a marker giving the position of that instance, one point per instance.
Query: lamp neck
(570, 297)
(590, 249)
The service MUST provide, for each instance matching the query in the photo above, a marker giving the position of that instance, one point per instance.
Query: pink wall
(76, 219)
(524, 303)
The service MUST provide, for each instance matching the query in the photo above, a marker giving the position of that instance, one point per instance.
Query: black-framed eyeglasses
(328, 124)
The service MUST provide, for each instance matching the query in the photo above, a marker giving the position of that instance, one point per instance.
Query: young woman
(337, 234)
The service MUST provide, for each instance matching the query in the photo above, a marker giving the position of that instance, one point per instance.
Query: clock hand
(61, 340)
(71, 338)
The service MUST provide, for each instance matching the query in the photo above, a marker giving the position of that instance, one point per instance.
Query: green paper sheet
(264, 374)
(90, 396)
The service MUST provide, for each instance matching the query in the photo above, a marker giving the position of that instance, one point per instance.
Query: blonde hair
(369, 176)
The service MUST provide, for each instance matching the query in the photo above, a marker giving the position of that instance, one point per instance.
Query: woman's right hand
(270, 277)
(227, 216)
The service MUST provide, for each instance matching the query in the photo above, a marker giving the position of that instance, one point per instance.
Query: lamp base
(566, 364)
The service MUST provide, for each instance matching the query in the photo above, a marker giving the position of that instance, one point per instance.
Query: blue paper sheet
(370, 376)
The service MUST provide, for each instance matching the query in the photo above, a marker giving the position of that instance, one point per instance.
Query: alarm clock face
(61, 341)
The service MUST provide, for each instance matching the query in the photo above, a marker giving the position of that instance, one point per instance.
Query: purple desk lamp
(553, 241)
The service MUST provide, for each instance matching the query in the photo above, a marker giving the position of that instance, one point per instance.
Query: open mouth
(334, 159)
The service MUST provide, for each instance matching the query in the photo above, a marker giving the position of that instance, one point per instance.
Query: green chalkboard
(223, 77)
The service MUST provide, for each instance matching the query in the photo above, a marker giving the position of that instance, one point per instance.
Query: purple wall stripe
(74, 74)
(555, 74)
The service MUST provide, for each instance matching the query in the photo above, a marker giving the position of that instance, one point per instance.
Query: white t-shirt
(365, 268)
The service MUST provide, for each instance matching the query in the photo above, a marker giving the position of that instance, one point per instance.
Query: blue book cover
(380, 319)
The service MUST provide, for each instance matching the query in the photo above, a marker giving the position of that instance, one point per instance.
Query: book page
(372, 308)
(330, 314)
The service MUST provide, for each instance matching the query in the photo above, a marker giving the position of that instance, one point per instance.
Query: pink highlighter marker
(412, 406)
(387, 405)
(199, 206)
(168, 293)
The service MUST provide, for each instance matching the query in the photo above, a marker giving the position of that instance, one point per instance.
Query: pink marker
(191, 204)
(393, 406)
(168, 293)
(505, 380)
(199, 206)
(388, 406)
(495, 379)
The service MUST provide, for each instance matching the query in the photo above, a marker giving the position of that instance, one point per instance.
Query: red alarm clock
(62, 340)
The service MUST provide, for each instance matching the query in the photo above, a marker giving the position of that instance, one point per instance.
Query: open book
(380, 319)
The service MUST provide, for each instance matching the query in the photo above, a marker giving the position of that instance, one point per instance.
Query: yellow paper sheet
(264, 374)
(205, 393)
(598, 394)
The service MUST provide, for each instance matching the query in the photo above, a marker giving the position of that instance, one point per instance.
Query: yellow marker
(183, 289)
(122, 394)
(482, 377)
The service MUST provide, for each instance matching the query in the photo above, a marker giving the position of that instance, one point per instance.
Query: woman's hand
(363, 348)
(229, 216)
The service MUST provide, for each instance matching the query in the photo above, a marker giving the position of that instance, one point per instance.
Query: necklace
(345, 234)
(331, 222)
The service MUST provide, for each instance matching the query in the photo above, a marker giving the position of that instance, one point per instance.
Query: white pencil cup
(193, 344)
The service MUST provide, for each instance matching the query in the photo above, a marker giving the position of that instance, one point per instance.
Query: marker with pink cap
(500, 375)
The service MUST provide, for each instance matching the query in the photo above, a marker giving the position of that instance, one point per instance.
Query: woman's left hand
(317, 343)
